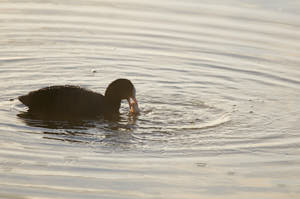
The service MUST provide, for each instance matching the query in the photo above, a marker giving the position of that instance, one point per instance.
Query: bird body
(67, 101)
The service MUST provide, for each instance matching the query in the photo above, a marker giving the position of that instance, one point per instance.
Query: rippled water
(218, 84)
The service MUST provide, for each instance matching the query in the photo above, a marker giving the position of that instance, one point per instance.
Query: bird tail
(24, 99)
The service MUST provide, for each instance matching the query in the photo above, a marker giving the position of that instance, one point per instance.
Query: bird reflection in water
(84, 131)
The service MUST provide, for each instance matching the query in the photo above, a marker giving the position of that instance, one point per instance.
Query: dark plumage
(73, 102)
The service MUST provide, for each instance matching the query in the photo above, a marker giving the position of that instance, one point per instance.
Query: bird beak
(133, 105)
(131, 101)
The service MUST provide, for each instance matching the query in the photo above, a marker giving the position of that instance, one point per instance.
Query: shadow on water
(82, 130)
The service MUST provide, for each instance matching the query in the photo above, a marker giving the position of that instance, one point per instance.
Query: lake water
(218, 83)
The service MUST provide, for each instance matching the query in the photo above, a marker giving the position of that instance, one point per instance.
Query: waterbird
(73, 102)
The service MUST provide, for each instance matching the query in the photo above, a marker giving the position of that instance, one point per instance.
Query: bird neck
(112, 104)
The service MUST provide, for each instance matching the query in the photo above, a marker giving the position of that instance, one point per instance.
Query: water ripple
(217, 82)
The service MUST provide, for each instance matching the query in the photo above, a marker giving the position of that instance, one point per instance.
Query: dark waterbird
(73, 102)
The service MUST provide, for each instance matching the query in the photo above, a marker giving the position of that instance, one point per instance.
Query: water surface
(218, 84)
